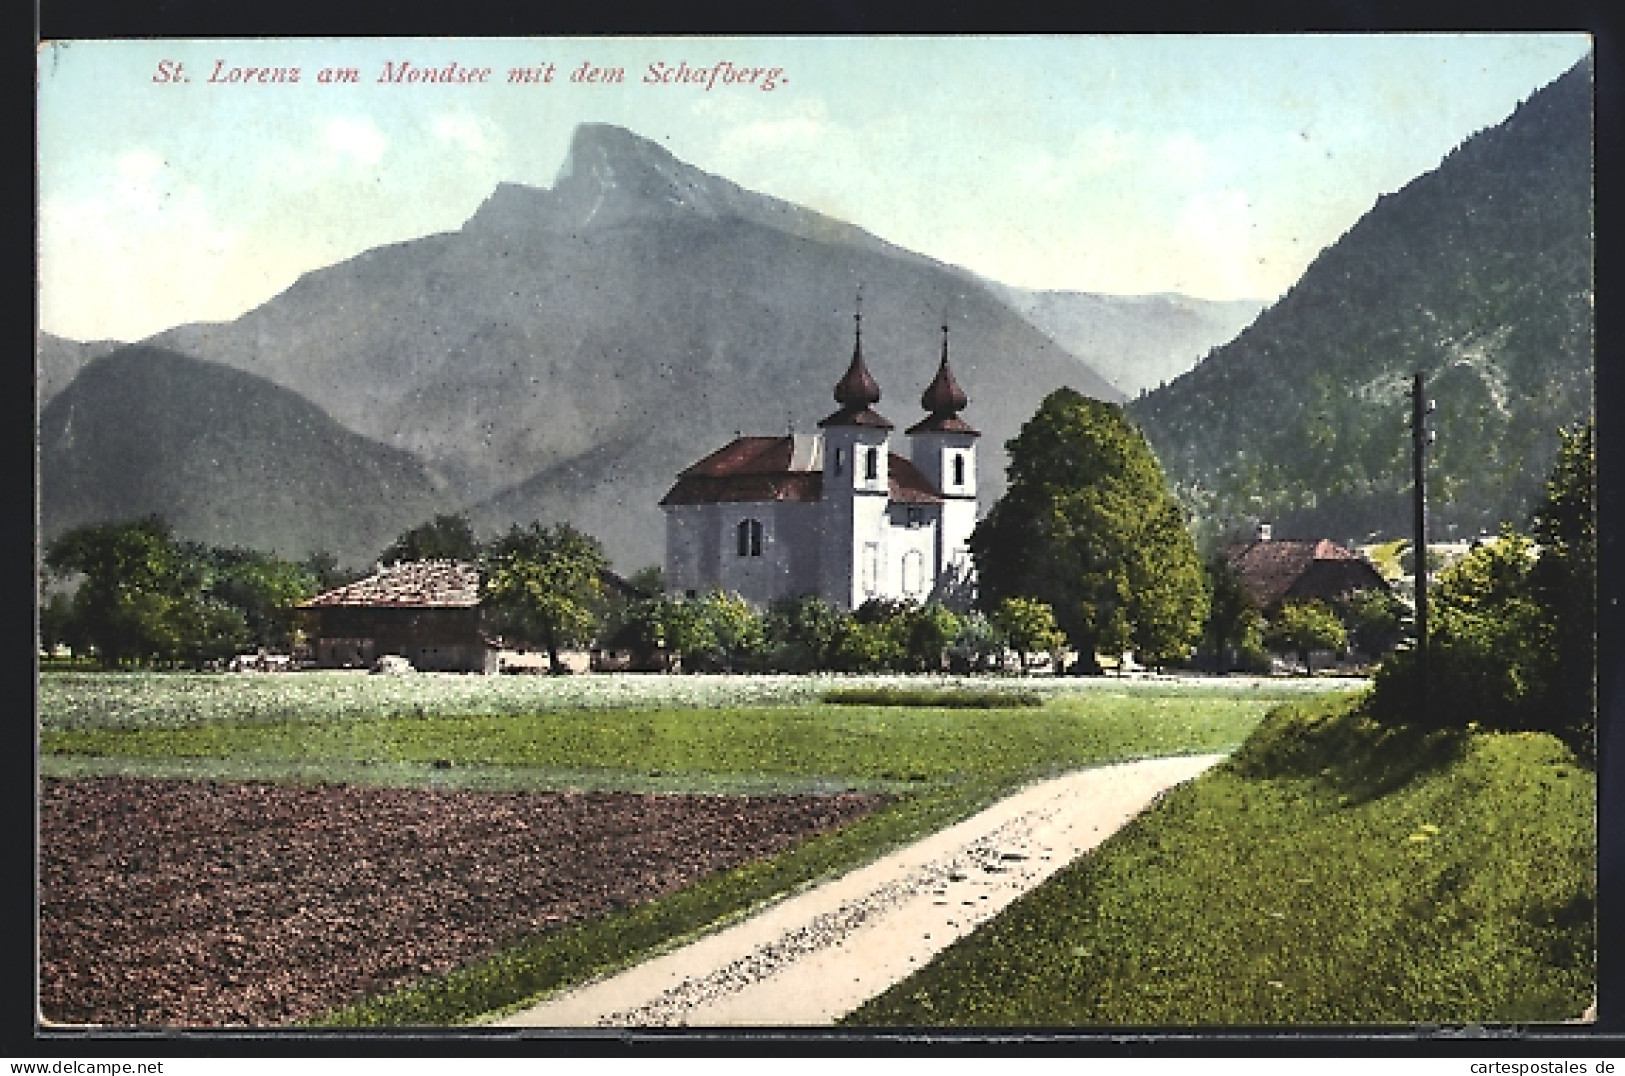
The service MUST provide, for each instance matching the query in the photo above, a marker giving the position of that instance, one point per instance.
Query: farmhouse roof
(1277, 570)
(421, 584)
(781, 469)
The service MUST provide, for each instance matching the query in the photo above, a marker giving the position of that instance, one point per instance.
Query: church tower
(857, 442)
(943, 446)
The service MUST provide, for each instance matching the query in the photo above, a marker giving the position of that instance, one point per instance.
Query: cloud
(469, 133)
(355, 137)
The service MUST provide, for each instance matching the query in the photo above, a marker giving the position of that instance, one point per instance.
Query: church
(836, 514)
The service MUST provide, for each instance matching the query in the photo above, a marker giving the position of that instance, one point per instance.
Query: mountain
(1137, 342)
(569, 350)
(226, 457)
(1477, 274)
(60, 360)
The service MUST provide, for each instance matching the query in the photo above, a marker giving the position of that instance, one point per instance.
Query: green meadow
(938, 752)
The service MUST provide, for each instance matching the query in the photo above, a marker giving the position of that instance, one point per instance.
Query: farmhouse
(836, 514)
(426, 611)
(1274, 571)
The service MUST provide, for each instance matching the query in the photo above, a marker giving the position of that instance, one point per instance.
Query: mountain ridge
(648, 306)
(225, 457)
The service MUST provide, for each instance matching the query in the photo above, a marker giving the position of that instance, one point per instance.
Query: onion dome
(944, 395)
(857, 392)
(858, 388)
(944, 399)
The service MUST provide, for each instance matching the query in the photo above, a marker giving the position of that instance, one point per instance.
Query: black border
(91, 19)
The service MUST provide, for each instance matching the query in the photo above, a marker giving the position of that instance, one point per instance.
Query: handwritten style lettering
(763, 78)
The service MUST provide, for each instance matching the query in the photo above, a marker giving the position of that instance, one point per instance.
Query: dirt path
(813, 958)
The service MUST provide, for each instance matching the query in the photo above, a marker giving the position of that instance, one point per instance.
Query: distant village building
(836, 514)
(1276, 570)
(425, 611)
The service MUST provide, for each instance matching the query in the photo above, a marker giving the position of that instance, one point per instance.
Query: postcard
(581, 536)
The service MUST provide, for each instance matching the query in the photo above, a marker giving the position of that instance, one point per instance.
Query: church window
(913, 572)
(959, 468)
(871, 464)
(750, 538)
(840, 462)
(871, 568)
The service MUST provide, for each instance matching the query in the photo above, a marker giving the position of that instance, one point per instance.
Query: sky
(172, 191)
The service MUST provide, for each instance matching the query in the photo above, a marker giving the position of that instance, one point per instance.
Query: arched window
(749, 535)
(913, 572)
(871, 464)
(959, 468)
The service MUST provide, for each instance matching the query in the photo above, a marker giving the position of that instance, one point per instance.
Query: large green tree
(130, 580)
(545, 585)
(1088, 526)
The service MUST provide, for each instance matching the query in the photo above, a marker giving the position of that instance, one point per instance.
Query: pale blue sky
(1214, 166)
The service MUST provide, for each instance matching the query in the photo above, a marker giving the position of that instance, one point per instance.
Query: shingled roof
(1278, 570)
(784, 468)
(420, 584)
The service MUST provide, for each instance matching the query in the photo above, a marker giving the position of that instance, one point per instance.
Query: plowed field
(203, 904)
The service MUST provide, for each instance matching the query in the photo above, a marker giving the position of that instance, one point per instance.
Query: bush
(961, 698)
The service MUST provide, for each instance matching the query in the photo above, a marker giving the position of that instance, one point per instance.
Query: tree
(1087, 526)
(1489, 646)
(446, 537)
(687, 631)
(1376, 620)
(1304, 627)
(1564, 585)
(801, 633)
(735, 629)
(132, 580)
(928, 631)
(1233, 619)
(544, 584)
(979, 643)
(1029, 626)
(264, 588)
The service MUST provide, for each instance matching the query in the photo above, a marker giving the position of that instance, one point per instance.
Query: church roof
(857, 392)
(781, 469)
(944, 399)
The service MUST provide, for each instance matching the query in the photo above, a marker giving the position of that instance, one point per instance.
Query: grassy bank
(1331, 872)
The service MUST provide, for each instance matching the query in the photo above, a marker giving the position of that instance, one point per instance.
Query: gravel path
(812, 958)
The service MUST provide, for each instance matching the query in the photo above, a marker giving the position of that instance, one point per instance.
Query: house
(1278, 570)
(425, 611)
(837, 514)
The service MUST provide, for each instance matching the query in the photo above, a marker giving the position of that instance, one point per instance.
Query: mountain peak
(611, 177)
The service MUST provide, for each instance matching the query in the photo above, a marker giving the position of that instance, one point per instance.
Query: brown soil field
(189, 904)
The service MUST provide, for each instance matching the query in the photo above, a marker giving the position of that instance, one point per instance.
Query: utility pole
(1421, 438)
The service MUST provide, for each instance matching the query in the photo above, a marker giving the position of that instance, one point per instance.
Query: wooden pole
(1419, 442)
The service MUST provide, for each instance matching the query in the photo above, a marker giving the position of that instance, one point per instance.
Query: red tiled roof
(907, 483)
(1273, 570)
(941, 423)
(412, 584)
(748, 469)
(764, 469)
